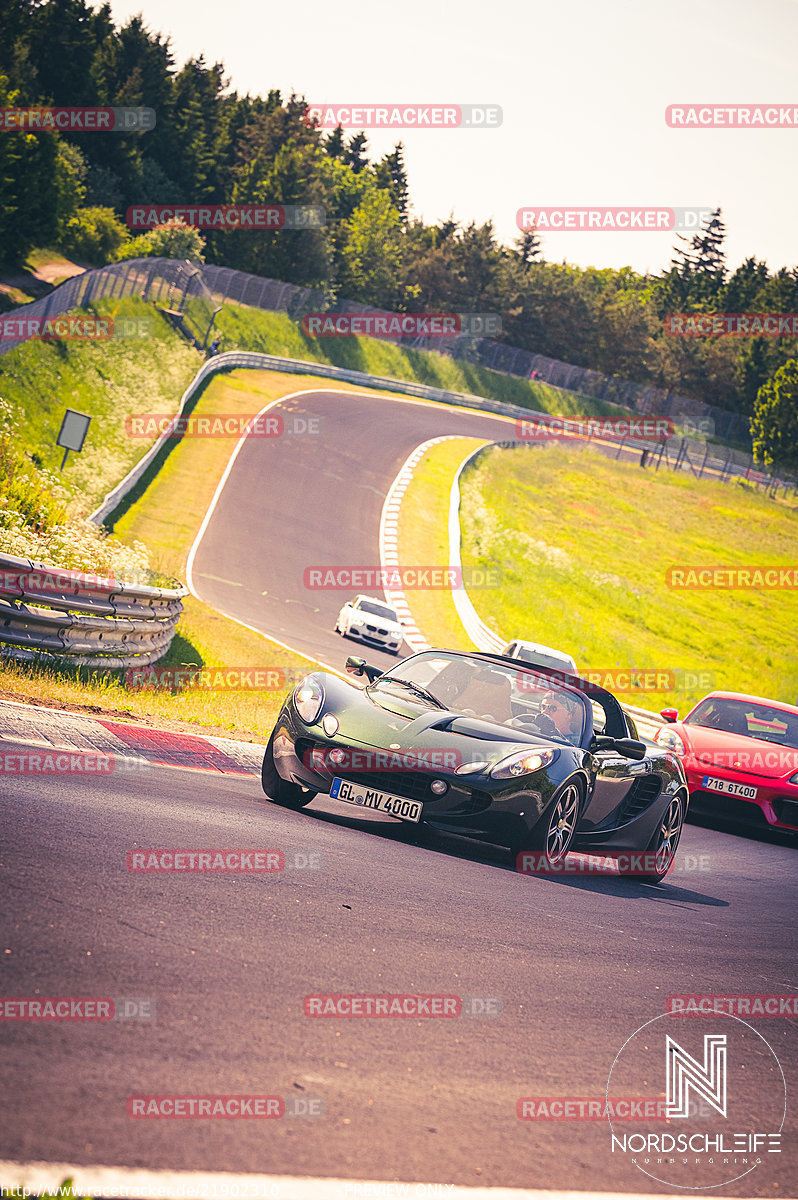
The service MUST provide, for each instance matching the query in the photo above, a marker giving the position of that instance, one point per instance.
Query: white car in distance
(540, 656)
(369, 620)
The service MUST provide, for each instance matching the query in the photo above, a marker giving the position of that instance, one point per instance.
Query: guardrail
(51, 613)
(300, 366)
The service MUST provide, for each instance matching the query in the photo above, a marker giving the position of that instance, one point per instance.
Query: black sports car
(485, 747)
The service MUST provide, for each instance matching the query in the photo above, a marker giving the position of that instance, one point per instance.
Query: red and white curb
(130, 746)
(133, 1183)
(389, 540)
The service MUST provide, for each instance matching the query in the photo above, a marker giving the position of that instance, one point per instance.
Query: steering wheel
(535, 724)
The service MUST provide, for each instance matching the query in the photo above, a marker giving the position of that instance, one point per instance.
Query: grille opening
(642, 793)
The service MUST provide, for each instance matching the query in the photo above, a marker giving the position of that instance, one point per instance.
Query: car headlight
(671, 740)
(308, 699)
(524, 762)
(471, 768)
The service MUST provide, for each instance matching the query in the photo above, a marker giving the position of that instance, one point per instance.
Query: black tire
(554, 832)
(665, 841)
(289, 795)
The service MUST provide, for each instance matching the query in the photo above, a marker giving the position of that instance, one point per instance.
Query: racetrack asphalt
(576, 966)
(570, 966)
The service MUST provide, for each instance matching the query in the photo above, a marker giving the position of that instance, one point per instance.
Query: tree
(94, 235)
(356, 155)
(372, 253)
(774, 425)
(29, 203)
(528, 247)
(698, 269)
(335, 145)
(173, 239)
(391, 175)
(69, 180)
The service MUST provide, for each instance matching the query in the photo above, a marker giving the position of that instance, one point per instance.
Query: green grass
(109, 380)
(584, 543)
(424, 540)
(117, 378)
(275, 333)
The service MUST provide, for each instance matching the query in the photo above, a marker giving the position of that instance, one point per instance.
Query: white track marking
(389, 540)
(142, 1184)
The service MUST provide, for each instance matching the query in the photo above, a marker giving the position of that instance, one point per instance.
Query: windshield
(509, 695)
(377, 610)
(539, 659)
(747, 718)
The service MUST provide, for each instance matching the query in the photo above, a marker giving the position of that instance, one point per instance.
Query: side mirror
(359, 666)
(628, 747)
(670, 714)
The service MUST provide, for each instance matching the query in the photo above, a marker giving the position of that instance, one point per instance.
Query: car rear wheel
(554, 832)
(663, 845)
(281, 791)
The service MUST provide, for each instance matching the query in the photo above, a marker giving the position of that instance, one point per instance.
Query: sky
(583, 86)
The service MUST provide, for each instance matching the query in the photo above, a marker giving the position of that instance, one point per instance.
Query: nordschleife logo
(725, 1102)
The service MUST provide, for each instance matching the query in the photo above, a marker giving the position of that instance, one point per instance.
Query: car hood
(730, 751)
(393, 722)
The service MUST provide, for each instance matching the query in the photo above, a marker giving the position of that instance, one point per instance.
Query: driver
(564, 713)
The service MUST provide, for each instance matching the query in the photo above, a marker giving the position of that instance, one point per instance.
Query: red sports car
(740, 755)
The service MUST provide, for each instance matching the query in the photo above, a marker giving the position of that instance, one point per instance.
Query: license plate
(729, 787)
(394, 806)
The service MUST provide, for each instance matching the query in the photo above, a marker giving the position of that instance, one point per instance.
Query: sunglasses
(551, 706)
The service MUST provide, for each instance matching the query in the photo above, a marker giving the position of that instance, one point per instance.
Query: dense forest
(211, 145)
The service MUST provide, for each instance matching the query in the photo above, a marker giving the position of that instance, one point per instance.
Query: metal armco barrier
(299, 366)
(53, 613)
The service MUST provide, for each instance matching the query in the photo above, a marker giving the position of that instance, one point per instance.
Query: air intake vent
(642, 793)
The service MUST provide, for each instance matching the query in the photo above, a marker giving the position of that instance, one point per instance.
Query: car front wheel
(281, 791)
(554, 832)
(662, 848)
